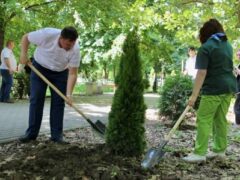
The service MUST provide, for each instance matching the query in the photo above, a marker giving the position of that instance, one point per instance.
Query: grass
(81, 89)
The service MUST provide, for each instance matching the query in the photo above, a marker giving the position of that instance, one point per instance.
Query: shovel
(98, 126)
(154, 155)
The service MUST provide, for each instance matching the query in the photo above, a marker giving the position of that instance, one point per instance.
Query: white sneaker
(212, 155)
(194, 158)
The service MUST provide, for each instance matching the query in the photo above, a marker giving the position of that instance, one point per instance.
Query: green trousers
(211, 115)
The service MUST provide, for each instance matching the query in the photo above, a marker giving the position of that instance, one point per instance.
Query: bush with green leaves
(21, 85)
(126, 133)
(146, 83)
(174, 95)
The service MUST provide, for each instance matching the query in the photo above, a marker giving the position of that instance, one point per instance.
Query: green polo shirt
(216, 57)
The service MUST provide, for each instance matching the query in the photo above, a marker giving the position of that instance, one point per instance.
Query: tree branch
(196, 1)
(13, 14)
(43, 4)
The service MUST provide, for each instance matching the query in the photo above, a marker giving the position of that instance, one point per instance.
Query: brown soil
(87, 157)
(47, 160)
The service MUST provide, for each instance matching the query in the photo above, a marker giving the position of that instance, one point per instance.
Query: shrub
(21, 85)
(146, 83)
(174, 95)
(125, 132)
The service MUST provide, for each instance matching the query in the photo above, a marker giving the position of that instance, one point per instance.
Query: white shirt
(48, 52)
(8, 54)
(190, 67)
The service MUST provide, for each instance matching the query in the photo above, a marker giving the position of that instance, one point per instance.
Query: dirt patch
(48, 160)
(87, 157)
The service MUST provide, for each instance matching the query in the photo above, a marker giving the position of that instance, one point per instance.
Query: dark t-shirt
(216, 57)
(238, 80)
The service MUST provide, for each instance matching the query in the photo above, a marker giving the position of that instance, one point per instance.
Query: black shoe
(26, 139)
(59, 141)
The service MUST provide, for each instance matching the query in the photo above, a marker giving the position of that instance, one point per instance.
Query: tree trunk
(2, 34)
(155, 83)
(105, 70)
(155, 78)
(2, 25)
(114, 70)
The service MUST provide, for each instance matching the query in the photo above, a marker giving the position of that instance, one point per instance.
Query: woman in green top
(217, 83)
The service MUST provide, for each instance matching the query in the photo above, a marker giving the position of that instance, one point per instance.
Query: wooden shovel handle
(177, 123)
(54, 88)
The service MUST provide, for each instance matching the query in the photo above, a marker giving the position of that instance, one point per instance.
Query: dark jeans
(237, 110)
(38, 91)
(7, 82)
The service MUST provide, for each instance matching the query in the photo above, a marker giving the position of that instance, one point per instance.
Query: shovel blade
(100, 127)
(153, 156)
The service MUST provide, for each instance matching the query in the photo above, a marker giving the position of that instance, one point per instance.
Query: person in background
(190, 63)
(57, 57)
(237, 102)
(217, 83)
(8, 67)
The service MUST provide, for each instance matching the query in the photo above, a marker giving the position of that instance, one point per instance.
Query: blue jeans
(38, 92)
(7, 82)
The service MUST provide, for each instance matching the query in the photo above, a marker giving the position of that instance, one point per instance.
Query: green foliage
(146, 83)
(96, 49)
(21, 85)
(125, 133)
(79, 89)
(166, 27)
(90, 71)
(174, 94)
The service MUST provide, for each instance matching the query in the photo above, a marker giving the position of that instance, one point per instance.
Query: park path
(14, 117)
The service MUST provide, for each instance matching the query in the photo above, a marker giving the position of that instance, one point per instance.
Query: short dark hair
(69, 32)
(209, 28)
(191, 48)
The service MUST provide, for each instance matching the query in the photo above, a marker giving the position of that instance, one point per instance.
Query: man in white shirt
(57, 57)
(190, 63)
(8, 67)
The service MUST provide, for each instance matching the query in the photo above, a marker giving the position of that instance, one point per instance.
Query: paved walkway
(14, 117)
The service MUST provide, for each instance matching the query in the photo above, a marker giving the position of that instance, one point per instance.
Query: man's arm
(201, 74)
(24, 49)
(72, 78)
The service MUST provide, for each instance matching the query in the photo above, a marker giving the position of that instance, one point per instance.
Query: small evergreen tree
(125, 132)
